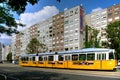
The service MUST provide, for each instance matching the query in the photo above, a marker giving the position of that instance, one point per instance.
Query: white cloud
(4, 36)
(96, 9)
(32, 18)
(65, 9)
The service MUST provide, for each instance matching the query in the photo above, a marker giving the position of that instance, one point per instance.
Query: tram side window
(103, 56)
(26, 59)
(111, 55)
(22, 58)
(45, 58)
(98, 56)
(75, 57)
(82, 56)
(91, 56)
(30, 59)
(67, 57)
(33, 58)
(60, 57)
(40, 58)
(50, 58)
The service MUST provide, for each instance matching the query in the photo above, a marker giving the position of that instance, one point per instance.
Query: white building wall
(5, 51)
(13, 47)
(25, 38)
(44, 28)
(99, 22)
(73, 39)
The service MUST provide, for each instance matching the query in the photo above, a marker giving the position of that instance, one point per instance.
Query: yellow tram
(89, 58)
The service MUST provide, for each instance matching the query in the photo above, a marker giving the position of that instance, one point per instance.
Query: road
(35, 73)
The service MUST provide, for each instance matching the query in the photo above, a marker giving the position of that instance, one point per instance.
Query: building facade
(5, 51)
(45, 33)
(113, 13)
(0, 51)
(25, 38)
(62, 32)
(74, 33)
(58, 32)
(100, 19)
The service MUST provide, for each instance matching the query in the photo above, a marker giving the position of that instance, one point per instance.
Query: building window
(76, 48)
(110, 19)
(66, 49)
(71, 48)
(116, 17)
(116, 13)
(66, 22)
(117, 8)
(110, 14)
(76, 31)
(109, 10)
(76, 11)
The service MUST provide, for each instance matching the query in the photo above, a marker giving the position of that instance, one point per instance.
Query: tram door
(66, 61)
(101, 57)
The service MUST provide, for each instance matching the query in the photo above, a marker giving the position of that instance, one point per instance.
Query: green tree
(8, 24)
(35, 46)
(9, 56)
(91, 37)
(113, 36)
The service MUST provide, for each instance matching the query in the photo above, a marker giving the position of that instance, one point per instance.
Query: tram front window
(111, 56)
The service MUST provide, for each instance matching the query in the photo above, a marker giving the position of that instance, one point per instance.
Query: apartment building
(64, 31)
(33, 31)
(58, 32)
(74, 33)
(113, 13)
(25, 38)
(18, 44)
(0, 51)
(45, 33)
(13, 46)
(100, 19)
(5, 51)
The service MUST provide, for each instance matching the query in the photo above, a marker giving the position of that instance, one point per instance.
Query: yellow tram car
(88, 58)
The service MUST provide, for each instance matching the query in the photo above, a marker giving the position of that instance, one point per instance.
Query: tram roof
(72, 51)
(86, 50)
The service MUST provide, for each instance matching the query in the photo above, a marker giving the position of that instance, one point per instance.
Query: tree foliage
(113, 36)
(8, 24)
(35, 46)
(91, 37)
(9, 56)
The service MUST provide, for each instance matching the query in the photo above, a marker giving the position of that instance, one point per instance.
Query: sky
(48, 8)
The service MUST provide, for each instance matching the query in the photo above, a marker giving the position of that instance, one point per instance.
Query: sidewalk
(9, 64)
